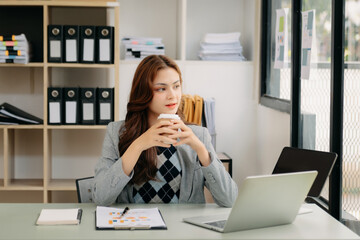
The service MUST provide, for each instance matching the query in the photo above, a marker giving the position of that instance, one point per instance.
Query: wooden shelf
(60, 3)
(76, 127)
(62, 185)
(53, 126)
(83, 3)
(79, 65)
(22, 126)
(31, 64)
(194, 62)
(25, 184)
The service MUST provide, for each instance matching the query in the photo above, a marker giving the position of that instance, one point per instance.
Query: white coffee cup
(169, 116)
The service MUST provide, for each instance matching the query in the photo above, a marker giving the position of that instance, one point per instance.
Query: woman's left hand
(187, 136)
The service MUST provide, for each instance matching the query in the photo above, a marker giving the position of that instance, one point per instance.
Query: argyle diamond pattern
(166, 187)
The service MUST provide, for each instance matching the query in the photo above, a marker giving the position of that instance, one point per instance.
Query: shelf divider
(9, 150)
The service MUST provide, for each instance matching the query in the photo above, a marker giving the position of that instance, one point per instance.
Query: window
(276, 81)
(351, 125)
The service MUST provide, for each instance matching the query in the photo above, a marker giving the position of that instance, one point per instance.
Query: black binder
(71, 105)
(87, 44)
(71, 43)
(88, 105)
(104, 44)
(19, 116)
(105, 106)
(55, 106)
(55, 43)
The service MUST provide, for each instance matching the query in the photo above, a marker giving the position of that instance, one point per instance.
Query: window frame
(293, 107)
(265, 60)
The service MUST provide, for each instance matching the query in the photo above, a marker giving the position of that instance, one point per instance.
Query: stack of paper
(221, 47)
(10, 114)
(14, 49)
(141, 47)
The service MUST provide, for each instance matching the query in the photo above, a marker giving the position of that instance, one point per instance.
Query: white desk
(17, 221)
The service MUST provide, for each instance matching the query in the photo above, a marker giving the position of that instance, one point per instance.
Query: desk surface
(17, 221)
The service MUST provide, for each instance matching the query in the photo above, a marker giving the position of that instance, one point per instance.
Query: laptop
(297, 160)
(263, 201)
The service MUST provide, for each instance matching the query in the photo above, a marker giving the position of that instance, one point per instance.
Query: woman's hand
(157, 135)
(187, 136)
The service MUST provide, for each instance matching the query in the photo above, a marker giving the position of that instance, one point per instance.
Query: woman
(146, 160)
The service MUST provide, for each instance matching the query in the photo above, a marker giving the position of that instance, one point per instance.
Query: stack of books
(14, 49)
(141, 47)
(221, 47)
(10, 114)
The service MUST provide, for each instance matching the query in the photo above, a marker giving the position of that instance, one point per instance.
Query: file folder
(71, 39)
(9, 111)
(104, 44)
(55, 106)
(105, 105)
(71, 105)
(4, 120)
(87, 44)
(88, 105)
(55, 43)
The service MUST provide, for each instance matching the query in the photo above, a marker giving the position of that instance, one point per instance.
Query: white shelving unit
(182, 23)
(46, 159)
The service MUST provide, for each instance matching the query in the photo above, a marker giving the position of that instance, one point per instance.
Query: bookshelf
(46, 159)
(27, 151)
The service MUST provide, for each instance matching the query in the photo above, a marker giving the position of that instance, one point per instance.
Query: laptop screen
(298, 160)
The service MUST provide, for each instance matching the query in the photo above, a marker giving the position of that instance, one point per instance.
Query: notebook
(263, 201)
(59, 216)
(297, 160)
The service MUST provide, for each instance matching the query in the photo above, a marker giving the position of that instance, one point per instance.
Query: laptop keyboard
(219, 224)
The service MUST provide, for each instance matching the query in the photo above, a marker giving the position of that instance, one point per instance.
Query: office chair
(84, 188)
(297, 160)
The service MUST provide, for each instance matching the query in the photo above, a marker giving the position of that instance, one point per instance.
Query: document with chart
(132, 219)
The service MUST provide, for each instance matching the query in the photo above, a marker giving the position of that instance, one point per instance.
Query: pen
(124, 212)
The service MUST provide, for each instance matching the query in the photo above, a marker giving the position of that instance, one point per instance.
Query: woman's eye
(177, 86)
(160, 89)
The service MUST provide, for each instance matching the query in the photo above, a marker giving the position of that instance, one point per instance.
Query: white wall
(273, 127)
(230, 84)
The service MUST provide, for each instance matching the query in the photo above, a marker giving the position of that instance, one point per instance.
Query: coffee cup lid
(168, 116)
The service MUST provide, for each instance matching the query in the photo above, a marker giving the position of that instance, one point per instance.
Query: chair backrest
(298, 160)
(84, 187)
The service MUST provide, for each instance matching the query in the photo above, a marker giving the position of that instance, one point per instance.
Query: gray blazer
(112, 185)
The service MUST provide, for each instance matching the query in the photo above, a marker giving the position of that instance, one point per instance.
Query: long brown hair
(136, 121)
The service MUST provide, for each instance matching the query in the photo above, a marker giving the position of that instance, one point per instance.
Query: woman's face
(166, 93)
